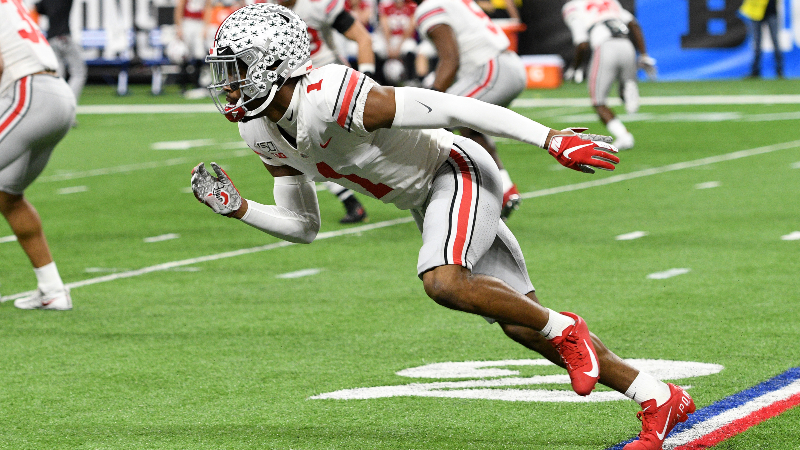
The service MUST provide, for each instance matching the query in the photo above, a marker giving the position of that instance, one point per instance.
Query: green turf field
(178, 341)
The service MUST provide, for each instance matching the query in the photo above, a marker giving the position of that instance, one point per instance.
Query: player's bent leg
(26, 225)
(354, 210)
(457, 288)
(623, 139)
(614, 372)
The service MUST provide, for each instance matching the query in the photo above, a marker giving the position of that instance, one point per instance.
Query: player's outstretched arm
(421, 108)
(295, 216)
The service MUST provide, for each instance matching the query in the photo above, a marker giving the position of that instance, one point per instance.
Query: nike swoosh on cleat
(595, 368)
(566, 153)
(666, 425)
(44, 303)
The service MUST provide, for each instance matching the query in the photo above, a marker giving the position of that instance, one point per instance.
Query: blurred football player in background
(68, 52)
(390, 143)
(474, 61)
(613, 36)
(322, 19)
(37, 108)
(395, 41)
(190, 47)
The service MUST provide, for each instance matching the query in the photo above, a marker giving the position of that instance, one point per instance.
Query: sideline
(389, 223)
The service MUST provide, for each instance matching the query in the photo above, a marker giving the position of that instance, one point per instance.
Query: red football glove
(583, 152)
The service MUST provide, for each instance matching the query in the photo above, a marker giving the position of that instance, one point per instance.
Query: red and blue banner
(734, 414)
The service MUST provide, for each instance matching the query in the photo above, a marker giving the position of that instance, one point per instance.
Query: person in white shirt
(389, 143)
(613, 36)
(474, 61)
(37, 108)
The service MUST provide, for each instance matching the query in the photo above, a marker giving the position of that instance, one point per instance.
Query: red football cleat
(657, 422)
(511, 202)
(576, 349)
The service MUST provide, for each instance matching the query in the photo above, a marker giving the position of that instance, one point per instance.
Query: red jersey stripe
(348, 98)
(331, 5)
(429, 14)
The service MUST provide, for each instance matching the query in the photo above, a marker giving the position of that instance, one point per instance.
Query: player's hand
(648, 64)
(218, 193)
(582, 151)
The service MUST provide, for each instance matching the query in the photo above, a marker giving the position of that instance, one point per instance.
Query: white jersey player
(37, 108)
(191, 23)
(335, 123)
(474, 61)
(611, 33)
(323, 17)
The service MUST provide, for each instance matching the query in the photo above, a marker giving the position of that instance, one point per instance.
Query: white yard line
(663, 169)
(518, 103)
(631, 236)
(668, 273)
(679, 100)
(135, 167)
(389, 223)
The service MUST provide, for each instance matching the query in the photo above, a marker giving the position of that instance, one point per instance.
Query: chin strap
(240, 113)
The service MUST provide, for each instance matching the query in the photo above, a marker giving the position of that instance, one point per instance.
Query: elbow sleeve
(294, 217)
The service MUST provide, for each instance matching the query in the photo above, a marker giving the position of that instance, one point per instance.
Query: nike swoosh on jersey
(325, 145)
(291, 115)
(567, 153)
(664, 431)
(595, 367)
(423, 104)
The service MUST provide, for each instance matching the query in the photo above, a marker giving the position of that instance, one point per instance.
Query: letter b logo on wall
(714, 24)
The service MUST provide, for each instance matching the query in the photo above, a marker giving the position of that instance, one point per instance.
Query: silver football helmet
(256, 49)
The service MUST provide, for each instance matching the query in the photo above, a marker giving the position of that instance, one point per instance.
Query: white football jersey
(581, 16)
(24, 48)
(327, 116)
(479, 40)
(319, 16)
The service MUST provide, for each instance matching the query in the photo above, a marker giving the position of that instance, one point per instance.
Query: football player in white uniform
(474, 61)
(388, 143)
(37, 108)
(613, 36)
(191, 19)
(322, 18)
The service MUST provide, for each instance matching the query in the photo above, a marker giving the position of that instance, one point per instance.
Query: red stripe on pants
(22, 98)
(464, 208)
(485, 82)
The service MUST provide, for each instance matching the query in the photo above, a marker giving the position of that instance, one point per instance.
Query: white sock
(506, 179)
(616, 127)
(48, 278)
(646, 387)
(556, 324)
